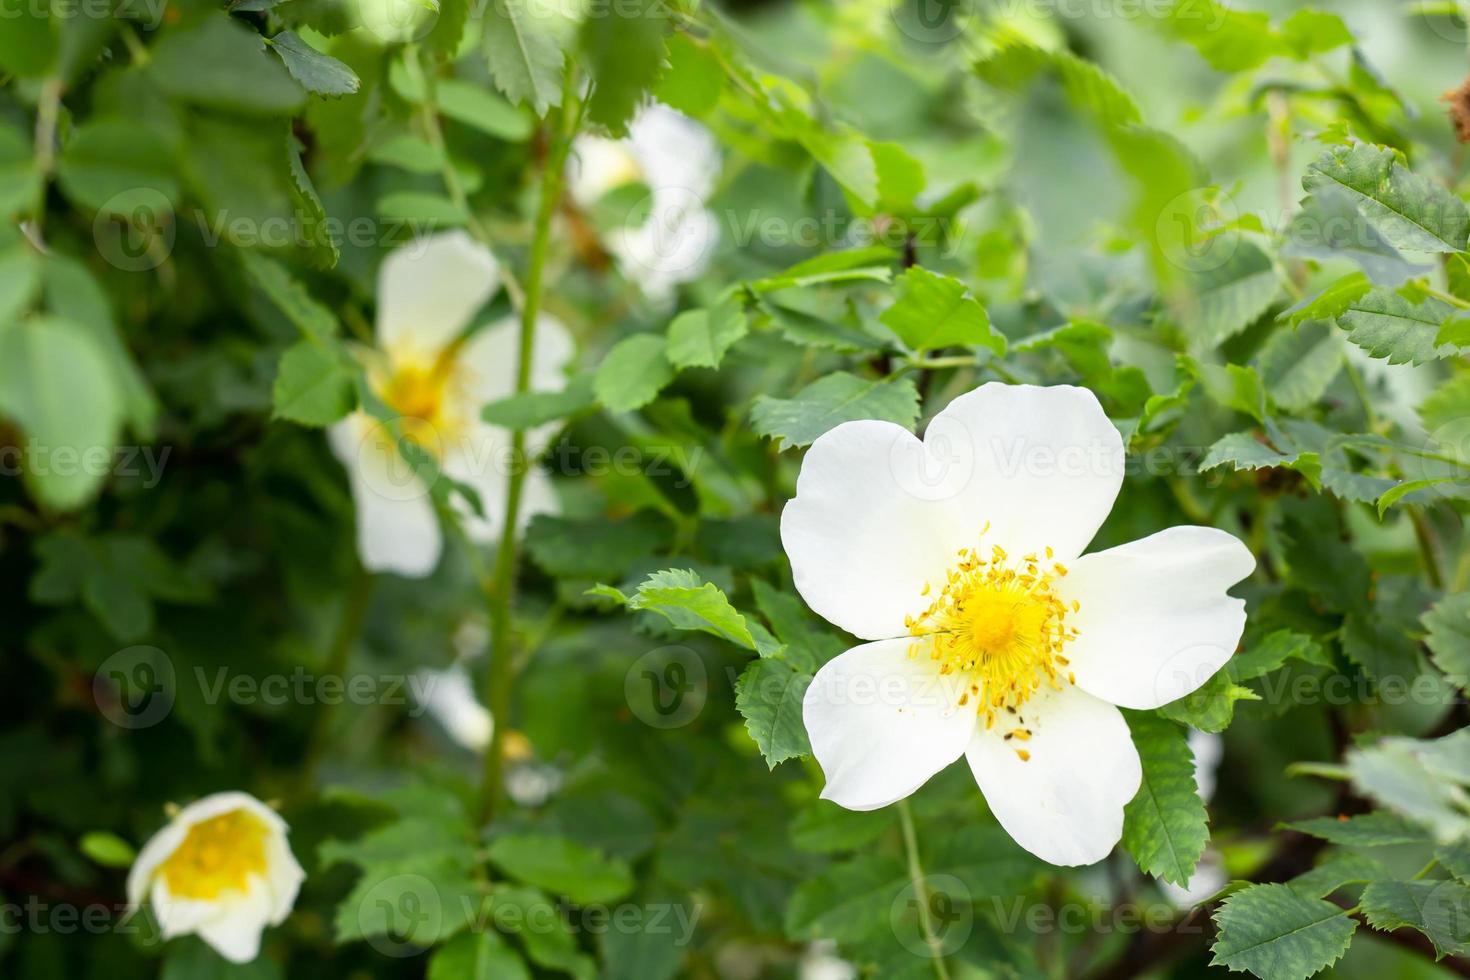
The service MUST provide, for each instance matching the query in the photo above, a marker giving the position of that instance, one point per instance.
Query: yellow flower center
(420, 395)
(218, 855)
(999, 628)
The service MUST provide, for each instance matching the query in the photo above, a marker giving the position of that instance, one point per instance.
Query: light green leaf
(1376, 829)
(1243, 451)
(700, 338)
(1165, 826)
(479, 955)
(1387, 325)
(1212, 707)
(289, 296)
(1332, 302)
(690, 603)
(1412, 211)
(314, 385)
(837, 398)
(525, 43)
(107, 849)
(1226, 299)
(535, 408)
(1276, 933)
(633, 373)
(1298, 365)
(114, 165)
(623, 50)
(932, 310)
(18, 176)
(769, 694)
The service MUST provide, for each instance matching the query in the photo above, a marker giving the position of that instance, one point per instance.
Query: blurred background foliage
(1126, 195)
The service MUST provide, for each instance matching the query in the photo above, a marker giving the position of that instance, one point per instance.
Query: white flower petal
(674, 151)
(429, 288)
(397, 530)
(881, 724)
(178, 916)
(162, 845)
(1155, 621)
(488, 363)
(1065, 802)
(673, 246)
(1041, 465)
(284, 876)
(235, 932)
(598, 165)
(861, 534)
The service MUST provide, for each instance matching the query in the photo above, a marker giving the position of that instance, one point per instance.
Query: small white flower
(994, 637)
(428, 293)
(221, 869)
(449, 696)
(678, 161)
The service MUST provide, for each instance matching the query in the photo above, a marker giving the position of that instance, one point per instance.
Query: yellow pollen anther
(999, 628)
(218, 855)
(1023, 755)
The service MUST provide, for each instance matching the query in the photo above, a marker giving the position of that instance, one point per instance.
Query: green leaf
(108, 850)
(191, 959)
(203, 64)
(480, 955)
(58, 385)
(690, 603)
(1332, 302)
(1230, 40)
(1438, 909)
(828, 402)
(1243, 451)
(633, 373)
(1298, 365)
(1226, 299)
(1278, 934)
(597, 548)
(111, 164)
(1310, 32)
(700, 338)
(1165, 826)
(1412, 211)
(1448, 637)
(562, 867)
(314, 385)
(623, 50)
(28, 44)
(290, 296)
(317, 72)
(1329, 226)
(525, 43)
(18, 176)
(1265, 655)
(769, 695)
(1376, 829)
(483, 110)
(1338, 870)
(1212, 707)
(530, 409)
(932, 310)
(694, 80)
(1387, 325)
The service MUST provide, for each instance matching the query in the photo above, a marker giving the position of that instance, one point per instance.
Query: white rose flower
(221, 869)
(993, 637)
(437, 382)
(678, 161)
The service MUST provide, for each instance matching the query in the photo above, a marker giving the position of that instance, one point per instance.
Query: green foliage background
(1244, 229)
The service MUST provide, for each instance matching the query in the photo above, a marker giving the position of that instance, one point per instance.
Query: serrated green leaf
(1278, 934)
(1448, 637)
(690, 603)
(1389, 326)
(1376, 829)
(700, 338)
(526, 46)
(317, 72)
(1212, 707)
(633, 373)
(531, 409)
(1226, 299)
(830, 401)
(932, 310)
(1412, 211)
(1332, 302)
(1298, 365)
(204, 62)
(1165, 826)
(480, 955)
(624, 51)
(1438, 909)
(769, 695)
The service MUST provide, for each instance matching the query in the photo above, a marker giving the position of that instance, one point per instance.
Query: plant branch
(501, 674)
(921, 890)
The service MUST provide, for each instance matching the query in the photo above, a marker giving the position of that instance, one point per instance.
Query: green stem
(48, 110)
(1428, 553)
(1445, 297)
(921, 889)
(500, 676)
(354, 611)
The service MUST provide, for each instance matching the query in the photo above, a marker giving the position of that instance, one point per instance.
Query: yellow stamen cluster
(419, 394)
(218, 855)
(999, 628)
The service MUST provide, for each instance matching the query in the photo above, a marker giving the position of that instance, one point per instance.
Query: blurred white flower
(678, 161)
(821, 962)
(221, 869)
(449, 698)
(1207, 749)
(994, 637)
(436, 383)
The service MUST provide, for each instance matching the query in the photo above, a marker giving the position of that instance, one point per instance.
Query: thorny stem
(500, 676)
(921, 890)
